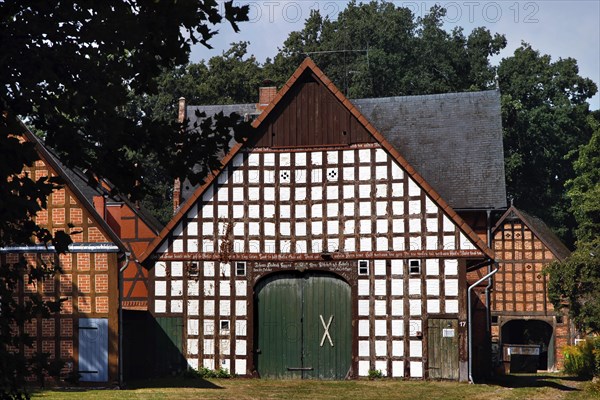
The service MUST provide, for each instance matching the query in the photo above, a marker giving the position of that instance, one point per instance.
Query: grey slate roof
(453, 140)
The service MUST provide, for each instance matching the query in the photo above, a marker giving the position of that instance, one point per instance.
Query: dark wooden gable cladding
(309, 114)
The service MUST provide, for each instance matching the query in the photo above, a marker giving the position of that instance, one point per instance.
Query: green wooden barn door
(442, 336)
(304, 327)
(168, 345)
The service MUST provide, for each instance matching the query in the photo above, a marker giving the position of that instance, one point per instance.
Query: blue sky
(556, 27)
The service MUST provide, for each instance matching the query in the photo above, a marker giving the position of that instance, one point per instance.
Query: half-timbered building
(316, 251)
(521, 311)
(85, 333)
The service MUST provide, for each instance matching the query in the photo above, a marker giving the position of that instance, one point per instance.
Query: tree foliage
(545, 118)
(71, 68)
(575, 283)
(377, 49)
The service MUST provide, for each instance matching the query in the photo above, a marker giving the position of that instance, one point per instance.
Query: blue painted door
(93, 349)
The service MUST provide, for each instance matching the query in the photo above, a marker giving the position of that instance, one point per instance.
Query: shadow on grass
(536, 380)
(171, 382)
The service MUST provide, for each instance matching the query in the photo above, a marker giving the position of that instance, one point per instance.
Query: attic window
(414, 267)
(363, 267)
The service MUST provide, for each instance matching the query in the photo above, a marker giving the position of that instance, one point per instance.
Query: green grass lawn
(539, 386)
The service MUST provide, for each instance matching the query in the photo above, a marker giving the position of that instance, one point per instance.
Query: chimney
(100, 205)
(266, 94)
(181, 116)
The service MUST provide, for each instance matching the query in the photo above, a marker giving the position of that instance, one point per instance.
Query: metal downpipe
(470, 320)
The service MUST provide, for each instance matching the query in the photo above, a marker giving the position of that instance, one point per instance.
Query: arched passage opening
(303, 326)
(522, 331)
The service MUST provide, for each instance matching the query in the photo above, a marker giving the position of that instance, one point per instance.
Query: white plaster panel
(363, 327)
(333, 210)
(430, 206)
(192, 363)
(300, 194)
(209, 288)
(415, 326)
(398, 243)
(240, 328)
(433, 287)
(209, 307)
(178, 246)
(348, 191)
(269, 159)
(397, 348)
(269, 229)
(209, 327)
(160, 269)
(397, 172)
(176, 288)
(449, 243)
(333, 227)
(207, 196)
(451, 306)
(398, 208)
(176, 306)
(364, 156)
(397, 286)
(317, 226)
(349, 209)
(414, 286)
(380, 155)
(380, 287)
(433, 306)
(414, 225)
(381, 173)
(431, 243)
(301, 246)
(415, 306)
(208, 245)
(416, 369)
(269, 193)
(225, 307)
(448, 224)
(193, 212)
(192, 347)
(397, 308)
(432, 225)
(465, 243)
(284, 228)
(240, 308)
(363, 307)
(225, 288)
(301, 176)
(398, 226)
(225, 348)
(192, 245)
(397, 267)
(240, 347)
(365, 226)
(225, 269)
(238, 192)
(413, 188)
(316, 210)
(380, 327)
(238, 229)
(316, 158)
(416, 348)
(269, 211)
(285, 159)
(207, 211)
(382, 226)
(451, 287)
(381, 365)
(382, 243)
(178, 230)
(300, 159)
(381, 191)
(192, 327)
(363, 368)
(348, 175)
(222, 192)
(316, 175)
(209, 346)
(380, 307)
(379, 267)
(240, 366)
(193, 307)
(332, 176)
(253, 211)
(208, 228)
(414, 207)
(364, 173)
(365, 244)
(363, 348)
(348, 156)
(381, 208)
(208, 363)
(350, 244)
(364, 209)
(300, 210)
(397, 327)
(380, 348)
(364, 191)
(160, 306)
(363, 287)
(300, 228)
(160, 288)
(192, 228)
(223, 211)
(432, 267)
(240, 288)
(415, 243)
(397, 369)
(209, 268)
(238, 160)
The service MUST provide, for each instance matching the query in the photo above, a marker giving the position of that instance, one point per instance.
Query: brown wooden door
(442, 337)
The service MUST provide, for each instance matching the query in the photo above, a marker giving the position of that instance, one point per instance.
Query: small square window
(414, 267)
(193, 268)
(240, 268)
(494, 319)
(224, 325)
(559, 319)
(363, 267)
